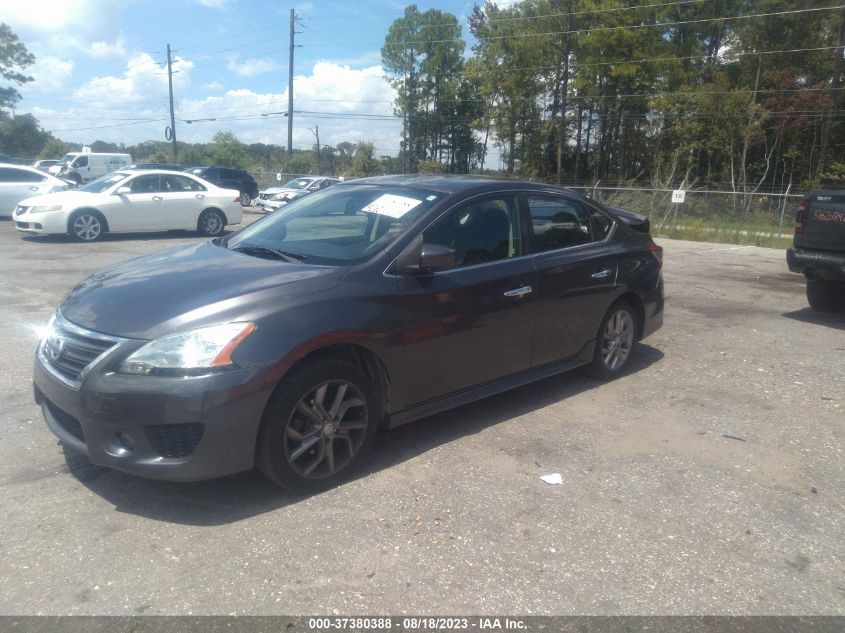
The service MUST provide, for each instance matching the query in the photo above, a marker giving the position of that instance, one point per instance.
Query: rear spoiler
(636, 221)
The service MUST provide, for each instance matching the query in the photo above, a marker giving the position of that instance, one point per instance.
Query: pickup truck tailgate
(824, 227)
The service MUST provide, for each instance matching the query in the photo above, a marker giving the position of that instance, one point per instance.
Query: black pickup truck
(819, 248)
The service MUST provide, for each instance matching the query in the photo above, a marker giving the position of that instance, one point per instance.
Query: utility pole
(290, 83)
(316, 132)
(172, 116)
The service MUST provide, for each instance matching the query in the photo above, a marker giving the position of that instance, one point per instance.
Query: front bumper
(817, 264)
(48, 223)
(180, 429)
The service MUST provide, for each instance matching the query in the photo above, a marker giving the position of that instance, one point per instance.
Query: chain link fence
(769, 212)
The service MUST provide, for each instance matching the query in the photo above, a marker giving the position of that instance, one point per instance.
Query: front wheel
(211, 222)
(318, 426)
(616, 339)
(825, 296)
(86, 226)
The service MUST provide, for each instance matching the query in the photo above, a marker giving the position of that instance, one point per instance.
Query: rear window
(10, 174)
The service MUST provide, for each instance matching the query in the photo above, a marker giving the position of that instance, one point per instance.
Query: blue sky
(99, 72)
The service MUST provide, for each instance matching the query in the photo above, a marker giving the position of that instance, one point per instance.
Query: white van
(85, 166)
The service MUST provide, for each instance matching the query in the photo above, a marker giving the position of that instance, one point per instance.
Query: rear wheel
(318, 426)
(211, 222)
(86, 226)
(616, 339)
(825, 296)
(246, 199)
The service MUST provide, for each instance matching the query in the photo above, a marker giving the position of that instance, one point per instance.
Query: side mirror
(123, 191)
(424, 259)
(434, 257)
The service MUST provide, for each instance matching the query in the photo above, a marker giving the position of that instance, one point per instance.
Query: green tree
(364, 163)
(423, 55)
(14, 59)
(227, 151)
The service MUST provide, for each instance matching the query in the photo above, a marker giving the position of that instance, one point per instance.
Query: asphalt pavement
(707, 480)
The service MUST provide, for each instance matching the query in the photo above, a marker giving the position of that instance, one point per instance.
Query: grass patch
(725, 232)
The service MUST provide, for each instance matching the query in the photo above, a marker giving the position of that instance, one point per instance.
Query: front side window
(82, 161)
(558, 223)
(479, 232)
(147, 183)
(338, 225)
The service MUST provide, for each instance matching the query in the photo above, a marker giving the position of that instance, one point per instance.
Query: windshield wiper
(275, 252)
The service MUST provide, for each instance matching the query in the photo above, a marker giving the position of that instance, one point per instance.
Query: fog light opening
(122, 445)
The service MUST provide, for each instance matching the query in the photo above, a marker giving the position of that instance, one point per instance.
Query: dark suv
(229, 179)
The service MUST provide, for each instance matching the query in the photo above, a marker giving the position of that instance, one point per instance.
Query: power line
(614, 28)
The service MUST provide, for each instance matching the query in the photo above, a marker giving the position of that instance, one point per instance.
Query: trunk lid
(821, 226)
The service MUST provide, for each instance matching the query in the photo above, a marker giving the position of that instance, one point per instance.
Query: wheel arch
(218, 209)
(89, 210)
(636, 302)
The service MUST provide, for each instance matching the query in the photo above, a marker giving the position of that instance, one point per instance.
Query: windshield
(104, 182)
(298, 183)
(67, 159)
(340, 225)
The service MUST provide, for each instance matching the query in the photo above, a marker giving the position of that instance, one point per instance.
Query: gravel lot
(709, 480)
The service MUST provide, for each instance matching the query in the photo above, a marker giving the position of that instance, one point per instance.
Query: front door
(143, 209)
(472, 323)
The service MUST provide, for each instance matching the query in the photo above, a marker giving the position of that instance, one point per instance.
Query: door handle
(519, 292)
(200, 196)
(33, 188)
(157, 198)
(602, 274)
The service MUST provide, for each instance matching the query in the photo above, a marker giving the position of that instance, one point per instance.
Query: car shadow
(237, 497)
(834, 320)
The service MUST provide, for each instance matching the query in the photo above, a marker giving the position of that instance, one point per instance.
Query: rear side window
(175, 184)
(10, 174)
(558, 223)
(601, 224)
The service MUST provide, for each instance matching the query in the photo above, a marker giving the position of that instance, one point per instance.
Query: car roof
(454, 183)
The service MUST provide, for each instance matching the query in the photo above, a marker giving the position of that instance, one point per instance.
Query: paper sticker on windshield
(391, 205)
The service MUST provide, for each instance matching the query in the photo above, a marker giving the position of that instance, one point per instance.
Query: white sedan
(18, 182)
(126, 201)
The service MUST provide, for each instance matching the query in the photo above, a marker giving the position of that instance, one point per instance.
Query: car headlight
(192, 353)
(45, 208)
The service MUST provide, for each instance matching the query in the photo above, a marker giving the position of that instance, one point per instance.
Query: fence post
(783, 207)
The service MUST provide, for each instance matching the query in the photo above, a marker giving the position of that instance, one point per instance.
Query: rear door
(576, 274)
(474, 322)
(825, 225)
(184, 199)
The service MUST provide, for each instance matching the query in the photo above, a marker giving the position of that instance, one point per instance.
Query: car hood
(71, 198)
(187, 287)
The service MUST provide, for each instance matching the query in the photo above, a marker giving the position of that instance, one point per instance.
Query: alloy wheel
(211, 224)
(87, 227)
(617, 339)
(326, 429)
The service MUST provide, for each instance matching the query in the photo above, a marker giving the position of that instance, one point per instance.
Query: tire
(309, 438)
(211, 222)
(615, 341)
(246, 199)
(825, 296)
(86, 225)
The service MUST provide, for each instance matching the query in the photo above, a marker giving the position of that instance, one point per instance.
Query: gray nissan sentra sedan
(372, 303)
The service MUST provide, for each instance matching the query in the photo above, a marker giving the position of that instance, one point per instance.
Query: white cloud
(253, 67)
(105, 50)
(51, 74)
(111, 105)
(92, 19)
